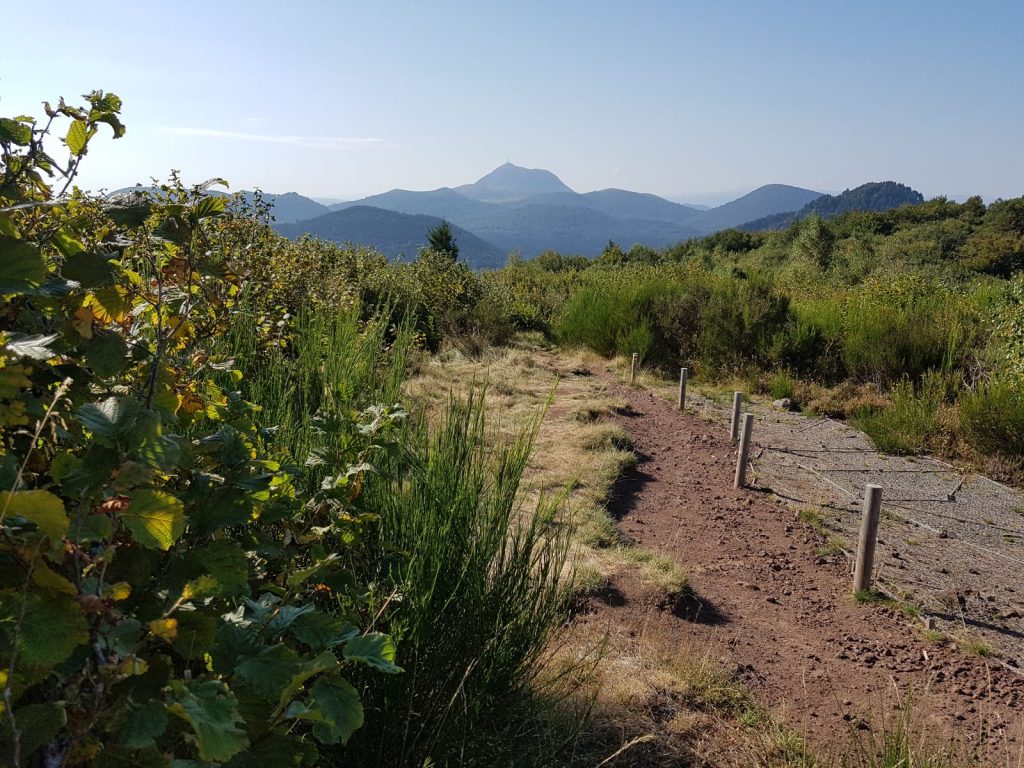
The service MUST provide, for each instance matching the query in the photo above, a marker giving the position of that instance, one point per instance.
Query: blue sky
(683, 99)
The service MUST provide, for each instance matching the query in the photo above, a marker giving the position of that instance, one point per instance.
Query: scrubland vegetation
(233, 531)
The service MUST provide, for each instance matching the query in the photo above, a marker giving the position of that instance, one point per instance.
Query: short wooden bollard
(737, 405)
(684, 376)
(868, 536)
(744, 452)
(632, 368)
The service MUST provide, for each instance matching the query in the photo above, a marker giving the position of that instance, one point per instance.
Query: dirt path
(781, 615)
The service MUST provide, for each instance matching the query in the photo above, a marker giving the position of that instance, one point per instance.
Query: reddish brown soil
(780, 615)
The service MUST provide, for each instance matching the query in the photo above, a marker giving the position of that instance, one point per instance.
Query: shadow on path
(628, 488)
(691, 607)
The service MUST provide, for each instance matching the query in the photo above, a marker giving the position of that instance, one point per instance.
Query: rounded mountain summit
(509, 182)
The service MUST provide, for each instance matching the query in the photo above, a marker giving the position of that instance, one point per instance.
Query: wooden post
(737, 405)
(684, 376)
(868, 536)
(632, 369)
(744, 452)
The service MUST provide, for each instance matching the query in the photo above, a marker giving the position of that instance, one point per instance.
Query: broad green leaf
(227, 565)
(15, 132)
(298, 577)
(47, 579)
(139, 725)
(7, 228)
(325, 662)
(131, 216)
(123, 638)
(340, 708)
(33, 347)
(39, 724)
(109, 418)
(39, 645)
(373, 649)
(210, 708)
(66, 243)
(106, 353)
(132, 475)
(77, 137)
(195, 634)
(88, 269)
(160, 451)
(284, 617)
(22, 267)
(276, 750)
(93, 528)
(210, 206)
(155, 518)
(270, 671)
(39, 507)
(318, 630)
(63, 464)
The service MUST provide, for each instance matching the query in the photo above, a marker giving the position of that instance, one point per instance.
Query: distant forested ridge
(873, 196)
(396, 235)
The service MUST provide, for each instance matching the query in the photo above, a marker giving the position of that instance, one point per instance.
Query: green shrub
(889, 337)
(782, 385)
(170, 587)
(724, 323)
(992, 418)
(910, 422)
(592, 318)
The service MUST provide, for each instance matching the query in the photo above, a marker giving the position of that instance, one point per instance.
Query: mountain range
(531, 210)
(527, 210)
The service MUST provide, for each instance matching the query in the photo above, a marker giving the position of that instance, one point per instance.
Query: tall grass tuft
(910, 422)
(992, 418)
(478, 589)
(330, 361)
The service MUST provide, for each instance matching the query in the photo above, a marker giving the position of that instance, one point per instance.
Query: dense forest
(229, 538)
(873, 196)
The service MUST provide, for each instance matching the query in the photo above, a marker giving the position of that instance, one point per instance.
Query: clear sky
(683, 99)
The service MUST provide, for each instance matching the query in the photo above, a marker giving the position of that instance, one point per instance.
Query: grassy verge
(647, 701)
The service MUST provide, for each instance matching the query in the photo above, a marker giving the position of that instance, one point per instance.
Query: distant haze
(530, 210)
(699, 102)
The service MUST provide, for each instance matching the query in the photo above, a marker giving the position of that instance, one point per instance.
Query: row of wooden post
(862, 574)
(742, 429)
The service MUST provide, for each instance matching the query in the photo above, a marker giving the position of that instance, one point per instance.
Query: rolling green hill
(873, 196)
(397, 235)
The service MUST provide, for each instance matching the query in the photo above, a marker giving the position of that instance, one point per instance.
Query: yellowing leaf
(191, 402)
(48, 579)
(77, 137)
(156, 519)
(81, 321)
(133, 666)
(110, 305)
(39, 507)
(122, 590)
(165, 629)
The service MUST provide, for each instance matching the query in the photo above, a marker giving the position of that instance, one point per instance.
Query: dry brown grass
(658, 704)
